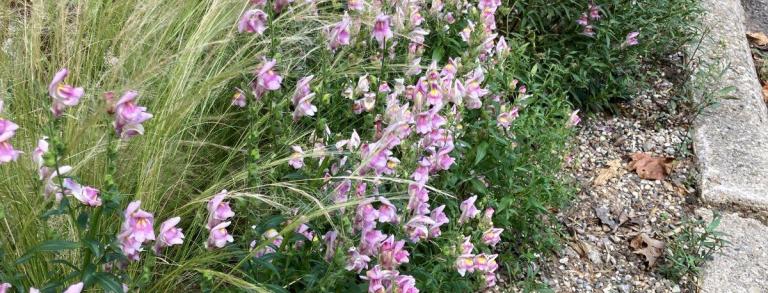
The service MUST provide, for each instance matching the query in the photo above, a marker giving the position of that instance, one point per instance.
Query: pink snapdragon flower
(583, 20)
(4, 287)
(253, 21)
(574, 119)
(468, 210)
(392, 253)
(7, 129)
(267, 79)
(631, 39)
(331, 243)
(339, 35)
(219, 236)
(297, 158)
(356, 261)
(76, 288)
(302, 89)
(129, 116)
(378, 278)
(465, 263)
(218, 209)
(169, 235)
(137, 228)
(371, 241)
(280, 4)
(52, 187)
(63, 95)
(405, 284)
(139, 222)
(8, 153)
(302, 99)
(505, 119)
(502, 49)
(467, 247)
(382, 30)
(365, 217)
(418, 199)
(387, 211)
(85, 194)
(594, 12)
(355, 5)
(438, 216)
(418, 228)
(304, 107)
(270, 235)
(305, 231)
(488, 215)
(37, 157)
(129, 246)
(492, 236)
(486, 262)
(490, 280)
(238, 99)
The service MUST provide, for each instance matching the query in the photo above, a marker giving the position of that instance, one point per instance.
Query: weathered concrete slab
(757, 15)
(731, 139)
(743, 266)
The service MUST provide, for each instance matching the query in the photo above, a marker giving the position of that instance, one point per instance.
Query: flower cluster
(420, 116)
(218, 212)
(467, 261)
(7, 131)
(592, 14)
(138, 228)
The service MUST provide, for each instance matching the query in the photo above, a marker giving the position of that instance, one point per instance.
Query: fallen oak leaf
(605, 174)
(651, 248)
(648, 167)
(757, 38)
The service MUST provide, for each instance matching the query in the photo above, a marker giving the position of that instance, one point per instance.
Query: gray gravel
(603, 219)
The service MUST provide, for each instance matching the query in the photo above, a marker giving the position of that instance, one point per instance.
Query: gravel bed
(603, 218)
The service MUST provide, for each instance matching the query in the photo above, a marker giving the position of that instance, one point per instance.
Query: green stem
(58, 146)
(112, 146)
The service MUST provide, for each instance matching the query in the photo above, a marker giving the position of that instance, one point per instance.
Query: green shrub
(595, 71)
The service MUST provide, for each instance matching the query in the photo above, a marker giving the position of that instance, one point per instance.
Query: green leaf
(47, 246)
(94, 246)
(482, 149)
(108, 282)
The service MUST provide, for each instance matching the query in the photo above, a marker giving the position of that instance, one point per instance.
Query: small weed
(695, 244)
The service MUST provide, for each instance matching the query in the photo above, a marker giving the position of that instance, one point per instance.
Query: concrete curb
(731, 139)
(731, 144)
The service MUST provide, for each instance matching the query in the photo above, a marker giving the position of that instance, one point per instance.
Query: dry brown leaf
(648, 167)
(651, 248)
(605, 174)
(765, 92)
(604, 215)
(758, 38)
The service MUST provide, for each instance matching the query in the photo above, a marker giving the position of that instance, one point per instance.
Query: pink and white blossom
(129, 116)
(253, 21)
(169, 234)
(219, 236)
(63, 95)
(468, 209)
